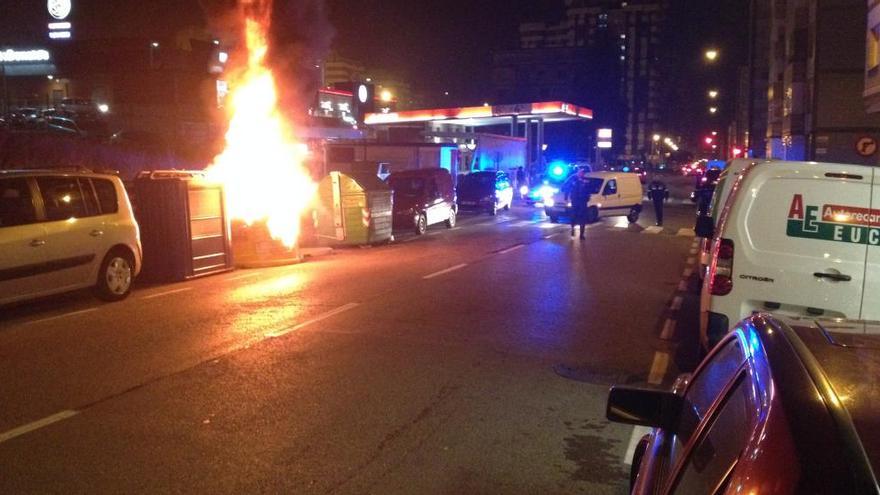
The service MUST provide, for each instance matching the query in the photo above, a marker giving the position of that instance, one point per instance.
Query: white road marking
(36, 425)
(691, 260)
(65, 315)
(454, 228)
(551, 236)
(444, 272)
(676, 303)
(244, 276)
(658, 368)
(687, 273)
(654, 229)
(637, 434)
(316, 319)
(512, 249)
(168, 293)
(685, 232)
(668, 329)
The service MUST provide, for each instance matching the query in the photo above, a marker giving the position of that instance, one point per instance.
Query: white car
(65, 231)
(612, 194)
(800, 239)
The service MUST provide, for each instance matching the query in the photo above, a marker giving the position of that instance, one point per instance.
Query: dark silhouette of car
(779, 406)
(423, 198)
(487, 191)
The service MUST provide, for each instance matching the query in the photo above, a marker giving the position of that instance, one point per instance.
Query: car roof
(50, 172)
(842, 360)
(422, 172)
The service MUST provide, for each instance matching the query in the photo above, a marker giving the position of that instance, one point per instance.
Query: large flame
(261, 167)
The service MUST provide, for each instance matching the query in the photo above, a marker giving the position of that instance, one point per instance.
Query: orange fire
(262, 166)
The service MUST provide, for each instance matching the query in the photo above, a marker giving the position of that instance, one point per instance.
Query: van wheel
(507, 206)
(554, 219)
(633, 216)
(421, 224)
(593, 215)
(450, 222)
(115, 276)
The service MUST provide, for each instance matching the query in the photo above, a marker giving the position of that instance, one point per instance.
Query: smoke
(300, 36)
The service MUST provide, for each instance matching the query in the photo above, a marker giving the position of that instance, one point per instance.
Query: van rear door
(871, 301)
(807, 251)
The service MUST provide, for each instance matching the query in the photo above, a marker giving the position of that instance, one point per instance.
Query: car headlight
(523, 190)
(549, 202)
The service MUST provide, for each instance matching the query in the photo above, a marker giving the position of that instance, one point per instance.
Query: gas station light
(656, 137)
(712, 55)
(386, 95)
(713, 110)
(713, 94)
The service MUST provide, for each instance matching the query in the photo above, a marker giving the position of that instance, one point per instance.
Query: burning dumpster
(184, 226)
(353, 209)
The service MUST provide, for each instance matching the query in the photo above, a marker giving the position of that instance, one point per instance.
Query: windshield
(408, 186)
(594, 185)
(479, 179)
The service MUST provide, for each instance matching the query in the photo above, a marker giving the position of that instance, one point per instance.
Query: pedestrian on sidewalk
(659, 194)
(577, 193)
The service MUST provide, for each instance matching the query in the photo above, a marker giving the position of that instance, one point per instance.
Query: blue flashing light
(557, 171)
(626, 169)
(446, 158)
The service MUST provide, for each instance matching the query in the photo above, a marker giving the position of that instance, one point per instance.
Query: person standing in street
(520, 180)
(659, 194)
(578, 194)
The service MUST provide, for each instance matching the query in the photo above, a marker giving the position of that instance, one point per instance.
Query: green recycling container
(353, 210)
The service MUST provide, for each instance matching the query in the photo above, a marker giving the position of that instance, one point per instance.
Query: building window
(873, 62)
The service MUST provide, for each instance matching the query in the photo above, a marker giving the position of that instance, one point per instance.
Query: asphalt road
(472, 360)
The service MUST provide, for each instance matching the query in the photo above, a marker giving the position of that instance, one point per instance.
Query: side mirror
(705, 227)
(644, 407)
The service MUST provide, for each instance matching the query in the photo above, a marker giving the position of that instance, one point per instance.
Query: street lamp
(386, 96)
(656, 137)
(713, 94)
(713, 110)
(711, 55)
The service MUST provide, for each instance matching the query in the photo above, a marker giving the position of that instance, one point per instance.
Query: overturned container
(183, 223)
(354, 209)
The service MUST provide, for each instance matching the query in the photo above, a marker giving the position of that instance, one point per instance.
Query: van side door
(24, 269)
(871, 296)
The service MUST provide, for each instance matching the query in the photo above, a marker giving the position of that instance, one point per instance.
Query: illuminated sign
(59, 35)
(605, 145)
(59, 9)
(605, 133)
(14, 56)
(363, 93)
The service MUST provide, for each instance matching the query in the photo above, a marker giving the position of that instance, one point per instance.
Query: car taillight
(721, 273)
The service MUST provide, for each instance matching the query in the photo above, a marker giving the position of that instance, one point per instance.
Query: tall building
(602, 53)
(816, 81)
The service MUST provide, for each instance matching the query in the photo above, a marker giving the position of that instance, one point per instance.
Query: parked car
(613, 194)
(79, 105)
(780, 406)
(487, 191)
(423, 198)
(726, 180)
(93, 128)
(65, 231)
(795, 238)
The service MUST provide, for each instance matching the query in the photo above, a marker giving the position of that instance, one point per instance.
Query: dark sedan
(487, 191)
(779, 406)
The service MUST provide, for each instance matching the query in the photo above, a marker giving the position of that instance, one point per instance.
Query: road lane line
(36, 425)
(687, 273)
(512, 249)
(637, 434)
(676, 303)
(685, 232)
(454, 228)
(65, 315)
(242, 277)
(551, 236)
(668, 329)
(691, 260)
(316, 319)
(444, 272)
(167, 293)
(658, 368)
(654, 229)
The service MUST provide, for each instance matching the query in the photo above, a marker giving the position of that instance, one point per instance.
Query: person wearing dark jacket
(577, 192)
(659, 194)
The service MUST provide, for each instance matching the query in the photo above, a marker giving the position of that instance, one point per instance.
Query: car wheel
(554, 219)
(450, 222)
(593, 215)
(636, 465)
(421, 224)
(115, 276)
(633, 216)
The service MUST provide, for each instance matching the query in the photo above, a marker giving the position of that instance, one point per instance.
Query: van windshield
(408, 186)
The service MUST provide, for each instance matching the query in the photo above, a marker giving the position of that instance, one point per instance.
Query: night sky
(438, 45)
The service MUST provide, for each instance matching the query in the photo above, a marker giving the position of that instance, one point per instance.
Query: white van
(795, 238)
(726, 181)
(613, 194)
(66, 231)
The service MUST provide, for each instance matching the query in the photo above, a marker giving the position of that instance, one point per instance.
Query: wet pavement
(471, 360)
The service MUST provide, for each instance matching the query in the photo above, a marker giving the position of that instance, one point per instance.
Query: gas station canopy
(488, 115)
